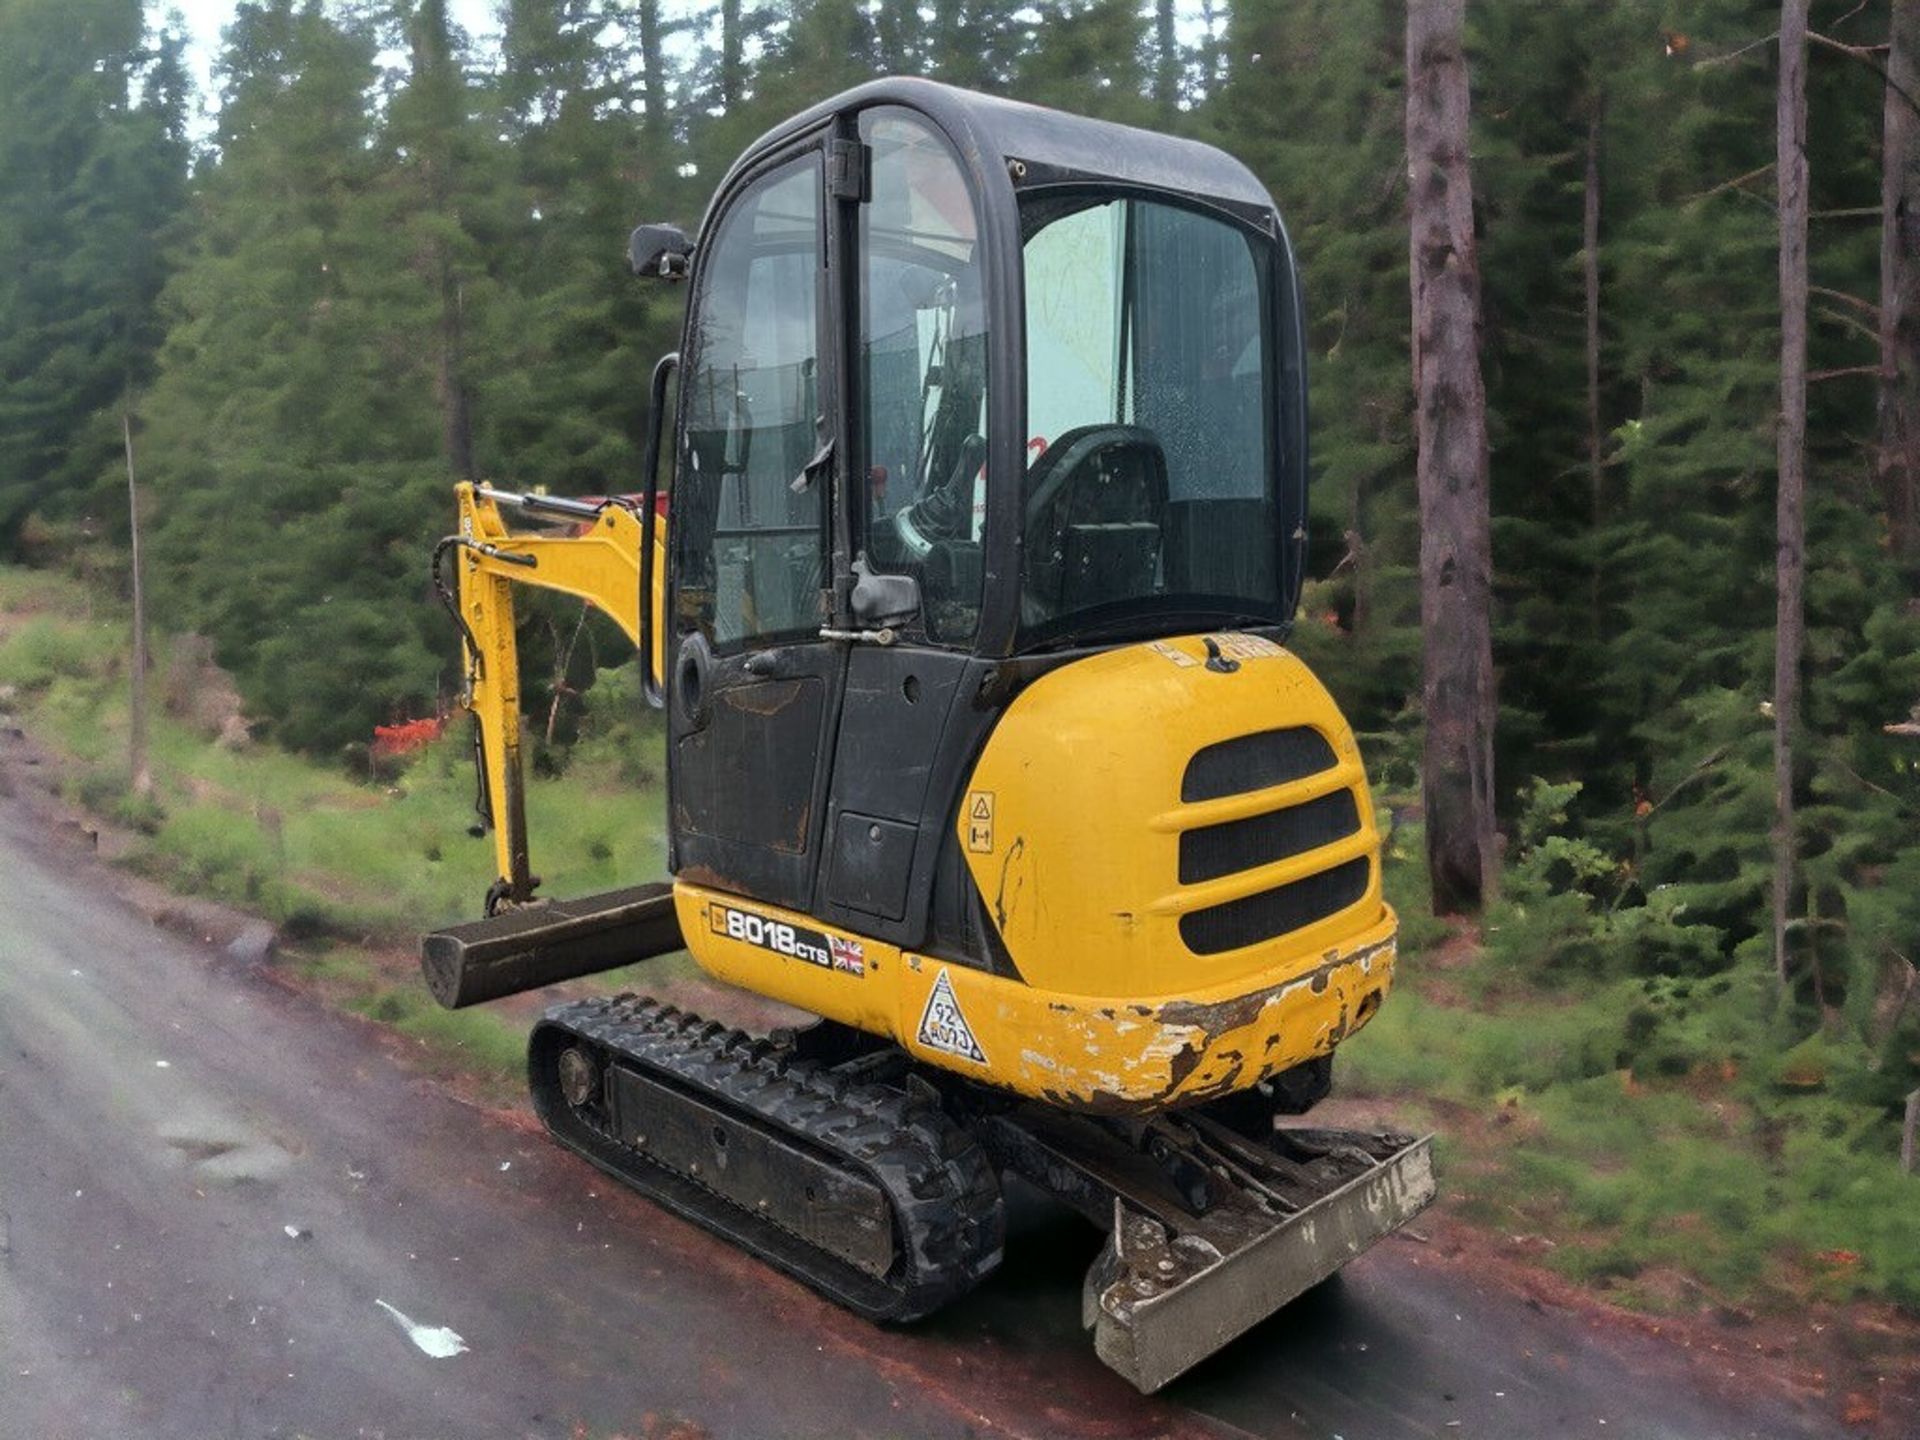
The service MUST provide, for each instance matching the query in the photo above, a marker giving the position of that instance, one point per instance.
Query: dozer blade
(1168, 1292)
(544, 944)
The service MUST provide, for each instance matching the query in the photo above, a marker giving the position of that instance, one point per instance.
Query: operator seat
(1096, 503)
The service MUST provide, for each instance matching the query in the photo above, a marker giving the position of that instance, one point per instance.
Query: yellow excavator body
(1074, 834)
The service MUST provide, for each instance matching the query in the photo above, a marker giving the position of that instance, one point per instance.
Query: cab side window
(750, 545)
(922, 372)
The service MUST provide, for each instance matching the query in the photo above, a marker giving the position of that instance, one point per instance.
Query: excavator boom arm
(599, 564)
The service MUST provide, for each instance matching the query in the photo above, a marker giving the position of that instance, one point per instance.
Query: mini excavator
(982, 526)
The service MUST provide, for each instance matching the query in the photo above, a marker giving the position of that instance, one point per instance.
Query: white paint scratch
(435, 1340)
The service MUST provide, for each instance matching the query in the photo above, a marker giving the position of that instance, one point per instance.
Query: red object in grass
(406, 737)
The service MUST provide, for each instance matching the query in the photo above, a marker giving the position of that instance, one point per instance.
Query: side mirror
(662, 251)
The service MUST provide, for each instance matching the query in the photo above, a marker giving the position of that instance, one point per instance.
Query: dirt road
(209, 1184)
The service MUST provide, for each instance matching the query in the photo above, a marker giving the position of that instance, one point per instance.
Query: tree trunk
(1898, 458)
(1362, 558)
(137, 762)
(1456, 547)
(433, 70)
(1590, 272)
(732, 65)
(653, 71)
(456, 406)
(1790, 165)
(1166, 62)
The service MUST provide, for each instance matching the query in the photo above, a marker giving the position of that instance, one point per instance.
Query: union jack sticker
(848, 955)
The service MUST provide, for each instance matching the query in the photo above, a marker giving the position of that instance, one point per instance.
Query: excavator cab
(962, 381)
(965, 593)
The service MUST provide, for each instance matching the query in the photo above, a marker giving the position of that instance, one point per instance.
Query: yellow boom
(598, 562)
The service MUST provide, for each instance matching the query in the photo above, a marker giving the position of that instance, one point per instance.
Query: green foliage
(1658, 1104)
(44, 650)
(92, 175)
(1570, 912)
(311, 848)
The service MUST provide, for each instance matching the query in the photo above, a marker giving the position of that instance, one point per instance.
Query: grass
(343, 863)
(305, 844)
(313, 847)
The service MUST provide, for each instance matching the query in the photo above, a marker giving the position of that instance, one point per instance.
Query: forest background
(395, 257)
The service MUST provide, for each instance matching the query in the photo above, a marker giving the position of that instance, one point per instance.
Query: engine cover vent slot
(1225, 849)
(1256, 762)
(1275, 912)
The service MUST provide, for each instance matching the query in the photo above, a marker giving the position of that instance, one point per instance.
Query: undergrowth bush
(46, 648)
(1647, 1093)
(1568, 910)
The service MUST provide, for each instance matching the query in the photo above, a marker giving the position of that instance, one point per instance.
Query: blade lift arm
(600, 564)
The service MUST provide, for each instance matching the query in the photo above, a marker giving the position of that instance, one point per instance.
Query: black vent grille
(1254, 762)
(1275, 912)
(1216, 850)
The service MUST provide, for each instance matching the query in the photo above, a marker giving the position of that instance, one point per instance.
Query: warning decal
(980, 822)
(943, 1027)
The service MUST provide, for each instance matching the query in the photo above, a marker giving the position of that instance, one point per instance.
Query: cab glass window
(749, 531)
(922, 373)
(1151, 487)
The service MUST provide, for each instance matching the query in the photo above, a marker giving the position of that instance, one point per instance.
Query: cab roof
(990, 130)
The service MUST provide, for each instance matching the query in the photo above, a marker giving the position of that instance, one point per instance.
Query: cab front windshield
(1151, 499)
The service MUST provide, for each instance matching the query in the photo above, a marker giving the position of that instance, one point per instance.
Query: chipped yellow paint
(1086, 1053)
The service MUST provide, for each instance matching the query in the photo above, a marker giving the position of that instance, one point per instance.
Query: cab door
(753, 689)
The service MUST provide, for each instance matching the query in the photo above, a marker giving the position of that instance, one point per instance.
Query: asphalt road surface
(222, 1207)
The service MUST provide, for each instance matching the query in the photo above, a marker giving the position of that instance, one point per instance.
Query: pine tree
(436, 151)
(1311, 101)
(1685, 553)
(573, 335)
(1546, 83)
(286, 435)
(1089, 57)
(93, 166)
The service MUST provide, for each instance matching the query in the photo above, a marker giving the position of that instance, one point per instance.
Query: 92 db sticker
(795, 942)
(943, 1027)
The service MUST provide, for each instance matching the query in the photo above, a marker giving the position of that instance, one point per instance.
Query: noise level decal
(943, 1027)
(980, 821)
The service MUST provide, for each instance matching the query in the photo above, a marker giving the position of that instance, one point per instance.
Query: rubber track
(949, 1219)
